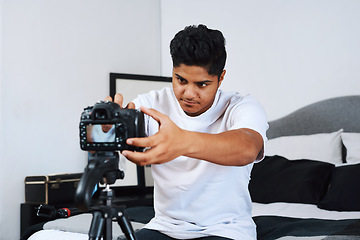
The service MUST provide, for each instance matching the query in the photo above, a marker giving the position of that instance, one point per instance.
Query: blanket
(274, 227)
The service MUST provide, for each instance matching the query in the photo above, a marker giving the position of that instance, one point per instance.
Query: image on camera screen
(98, 133)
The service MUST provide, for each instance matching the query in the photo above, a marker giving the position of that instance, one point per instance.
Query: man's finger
(108, 98)
(131, 105)
(142, 142)
(118, 98)
(152, 113)
(136, 157)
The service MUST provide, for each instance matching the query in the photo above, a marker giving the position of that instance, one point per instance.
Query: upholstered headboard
(321, 117)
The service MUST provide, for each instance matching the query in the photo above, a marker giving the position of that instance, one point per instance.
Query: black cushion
(344, 190)
(277, 179)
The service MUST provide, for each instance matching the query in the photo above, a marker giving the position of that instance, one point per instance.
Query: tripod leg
(108, 229)
(125, 225)
(96, 227)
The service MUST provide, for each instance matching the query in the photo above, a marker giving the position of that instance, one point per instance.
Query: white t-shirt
(196, 198)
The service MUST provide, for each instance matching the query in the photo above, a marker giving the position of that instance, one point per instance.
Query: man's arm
(232, 148)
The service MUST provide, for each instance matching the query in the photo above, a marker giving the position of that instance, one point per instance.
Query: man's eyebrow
(199, 82)
(180, 77)
(205, 81)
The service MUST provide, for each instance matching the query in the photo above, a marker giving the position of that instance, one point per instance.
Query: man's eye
(182, 81)
(202, 85)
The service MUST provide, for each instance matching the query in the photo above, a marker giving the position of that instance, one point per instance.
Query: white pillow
(324, 147)
(352, 144)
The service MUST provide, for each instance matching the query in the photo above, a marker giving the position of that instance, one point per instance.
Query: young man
(202, 144)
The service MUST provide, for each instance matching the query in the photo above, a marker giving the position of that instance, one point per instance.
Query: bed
(305, 188)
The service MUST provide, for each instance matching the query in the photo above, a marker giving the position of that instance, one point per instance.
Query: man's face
(194, 88)
(106, 127)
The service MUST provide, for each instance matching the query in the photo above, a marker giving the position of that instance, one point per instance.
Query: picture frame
(130, 86)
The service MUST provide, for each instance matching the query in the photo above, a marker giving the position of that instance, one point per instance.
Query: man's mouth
(189, 102)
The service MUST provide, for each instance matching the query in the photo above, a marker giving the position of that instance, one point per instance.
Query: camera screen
(99, 133)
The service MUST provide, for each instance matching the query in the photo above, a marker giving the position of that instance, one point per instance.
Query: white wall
(286, 53)
(1, 125)
(56, 60)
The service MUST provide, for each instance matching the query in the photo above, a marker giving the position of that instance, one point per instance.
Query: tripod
(103, 167)
(101, 224)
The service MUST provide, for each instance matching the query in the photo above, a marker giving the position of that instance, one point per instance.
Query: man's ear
(221, 78)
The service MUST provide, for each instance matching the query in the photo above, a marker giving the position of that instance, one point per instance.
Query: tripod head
(103, 167)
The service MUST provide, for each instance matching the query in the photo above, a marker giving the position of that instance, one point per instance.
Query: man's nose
(190, 92)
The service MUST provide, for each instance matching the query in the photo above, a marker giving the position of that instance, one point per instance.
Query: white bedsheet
(75, 227)
(298, 210)
(58, 235)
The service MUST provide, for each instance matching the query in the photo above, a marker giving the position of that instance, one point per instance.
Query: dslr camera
(106, 127)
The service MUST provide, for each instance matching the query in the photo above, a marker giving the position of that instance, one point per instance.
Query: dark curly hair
(199, 46)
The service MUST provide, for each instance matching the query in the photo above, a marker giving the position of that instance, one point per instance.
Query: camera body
(106, 127)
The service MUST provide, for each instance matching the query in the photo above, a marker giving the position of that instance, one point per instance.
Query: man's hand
(167, 144)
(162, 147)
(119, 99)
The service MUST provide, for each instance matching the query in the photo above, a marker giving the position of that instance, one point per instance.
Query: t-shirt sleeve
(248, 113)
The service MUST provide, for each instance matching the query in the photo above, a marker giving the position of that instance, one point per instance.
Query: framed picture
(130, 86)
